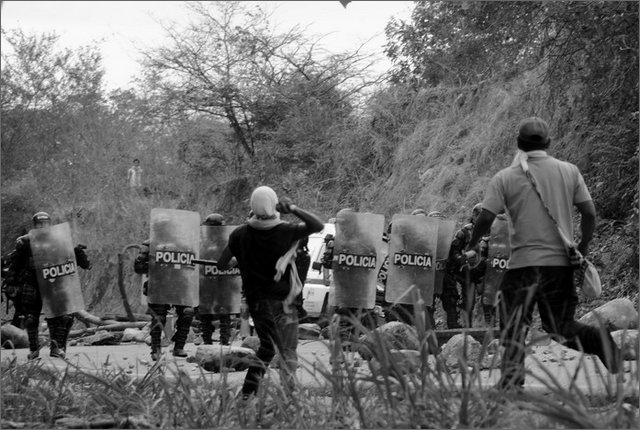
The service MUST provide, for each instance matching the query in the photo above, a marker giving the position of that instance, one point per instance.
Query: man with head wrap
(265, 249)
(540, 194)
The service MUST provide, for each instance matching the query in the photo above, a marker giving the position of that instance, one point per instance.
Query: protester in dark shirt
(265, 248)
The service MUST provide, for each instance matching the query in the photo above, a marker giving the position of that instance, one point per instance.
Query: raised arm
(313, 223)
(481, 227)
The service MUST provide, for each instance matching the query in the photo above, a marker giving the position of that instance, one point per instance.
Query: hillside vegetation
(423, 139)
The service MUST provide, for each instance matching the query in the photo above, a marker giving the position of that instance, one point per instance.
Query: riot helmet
(435, 214)
(419, 211)
(41, 219)
(214, 219)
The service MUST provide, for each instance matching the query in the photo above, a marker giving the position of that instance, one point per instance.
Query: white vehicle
(315, 292)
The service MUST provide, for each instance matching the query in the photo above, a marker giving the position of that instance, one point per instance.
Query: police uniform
(22, 275)
(456, 274)
(366, 317)
(400, 311)
(477, 275)
(158, 312)
(206, 320)
(303, 262)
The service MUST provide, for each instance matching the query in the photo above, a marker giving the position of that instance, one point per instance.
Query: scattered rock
(102, 338)
(13, 337)
(214, 357)
(252, 342)
(308, 331)
(628, 342)
(454, 353)
(404, 361)
(616, 314)
(394, 334)
(135, 335)
(454, 350)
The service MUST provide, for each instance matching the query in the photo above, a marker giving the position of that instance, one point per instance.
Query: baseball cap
(533, 130)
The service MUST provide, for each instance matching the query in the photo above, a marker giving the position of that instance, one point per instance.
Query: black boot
(489, 315)
(207, 328)
(57, 329)
(225, 329)
(156, 336)
(31, 323)
(183, 325)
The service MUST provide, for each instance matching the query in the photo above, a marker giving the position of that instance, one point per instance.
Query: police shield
(175, 242)
(56, 270)
(497, 258)
(357, 258)
(412, 254)
(446, 230)
(220, 290)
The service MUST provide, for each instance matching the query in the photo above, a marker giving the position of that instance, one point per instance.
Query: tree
(461, 43)
(230, 64)
(40, 87)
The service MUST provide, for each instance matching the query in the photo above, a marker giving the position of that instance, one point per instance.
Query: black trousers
(30, 303)
(278, 332)
(553, 290)
(183, 324)
(208, 328)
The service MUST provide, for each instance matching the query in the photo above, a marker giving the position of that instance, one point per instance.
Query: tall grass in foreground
(386, 393)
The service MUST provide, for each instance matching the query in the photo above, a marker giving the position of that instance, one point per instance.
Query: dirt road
(546, 362)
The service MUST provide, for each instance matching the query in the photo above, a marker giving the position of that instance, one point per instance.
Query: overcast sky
(120, 28)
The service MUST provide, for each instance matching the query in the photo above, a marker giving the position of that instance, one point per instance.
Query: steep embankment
(466, 135)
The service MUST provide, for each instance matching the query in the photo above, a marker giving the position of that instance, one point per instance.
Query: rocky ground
(548, 361)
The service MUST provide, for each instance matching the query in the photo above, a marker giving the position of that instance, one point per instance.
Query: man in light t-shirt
(134, 175)
(539, 268)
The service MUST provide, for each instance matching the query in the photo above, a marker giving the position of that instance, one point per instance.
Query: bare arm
(587, 224)
(481, 227)
(314, 224)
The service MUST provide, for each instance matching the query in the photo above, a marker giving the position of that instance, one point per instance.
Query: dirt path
(548, 363)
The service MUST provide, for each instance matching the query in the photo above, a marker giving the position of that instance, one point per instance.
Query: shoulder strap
(568, 244)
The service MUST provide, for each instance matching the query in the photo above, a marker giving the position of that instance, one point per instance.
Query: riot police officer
(158, 312)
(206, 319)
(458, 273)
(22, 274)
(402, 311)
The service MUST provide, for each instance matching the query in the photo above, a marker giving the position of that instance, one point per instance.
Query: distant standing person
(539, 267)
(134, 176)
(261, 246)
